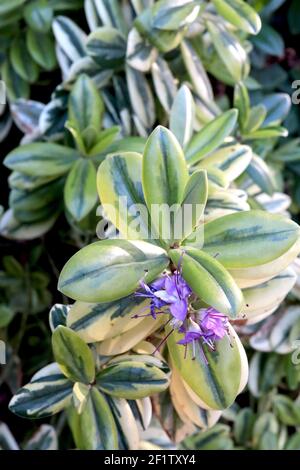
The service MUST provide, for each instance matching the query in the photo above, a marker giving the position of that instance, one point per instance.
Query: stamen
(194, 350)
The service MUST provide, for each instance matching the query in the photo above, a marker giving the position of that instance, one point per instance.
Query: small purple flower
(170, 291)
(176, 295)
(192, 333)
(150, 292)
(211, 327)
(213, 324)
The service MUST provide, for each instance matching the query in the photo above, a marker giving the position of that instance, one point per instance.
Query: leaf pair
(51, 390)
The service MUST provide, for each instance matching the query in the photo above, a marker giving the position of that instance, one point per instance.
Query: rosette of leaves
(135, 48)
(27, 46)
(46, 174)
(238, 251)
(104, 399)
(276, 71)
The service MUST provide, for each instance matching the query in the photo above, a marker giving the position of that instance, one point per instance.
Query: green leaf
(242, 103)
(27, 183)
(238, 13)
(13, 267)
(256, 117)
(139, 54)
(164, 83)
(250, 238)
(107, 46)
(47, 393)
(22, 62)
(119, 176)
(110, 269)
(217, 381)
(111, 13)
(9, 19)
(216, 438)
(230, 51)
(197, 73)
(85, 104)
(16, 86)
(261, 175)
(286, 410)
(280, 340)
(192, 204)
(293, 17)
(243, 426)
(182, 116)
(211, 136)
(223, 202)
(38, 15)
(41, 47)
(104, 140)
(132, 380)
(6, 315)
(267, 133)
(209, 280)
(231, 159)
(269, 41)
(9, 5)
(164, 40)
(44, 439)
(172, 15)
(41, 159)
(130, 338)
(97, 421)
(73, 355)
(293, 442)
(278, 106)
(80, 396)
(289, 152)
(7, 440)
(80, 190)
(69, 37)
(126, 421)
(58, 315)
(13, 229)
(36, 199)
(265, 432)
(164, 178)
(97, 322)
(141, 99)
(264, 298)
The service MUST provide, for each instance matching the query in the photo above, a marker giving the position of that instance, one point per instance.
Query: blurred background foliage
(267, 414)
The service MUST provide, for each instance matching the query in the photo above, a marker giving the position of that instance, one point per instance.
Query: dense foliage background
(77, 104)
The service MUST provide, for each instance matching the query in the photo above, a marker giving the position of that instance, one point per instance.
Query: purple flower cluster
(211, 327)
(168, 291)
(170, 294)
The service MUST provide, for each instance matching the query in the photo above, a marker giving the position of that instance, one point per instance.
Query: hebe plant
(157, 316)
(240, 250)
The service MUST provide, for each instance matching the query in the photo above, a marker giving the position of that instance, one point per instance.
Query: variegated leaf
(73, 355)
(209, 280)
(211, 136)
(47, 393)
(98, 322)
(110, 269)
